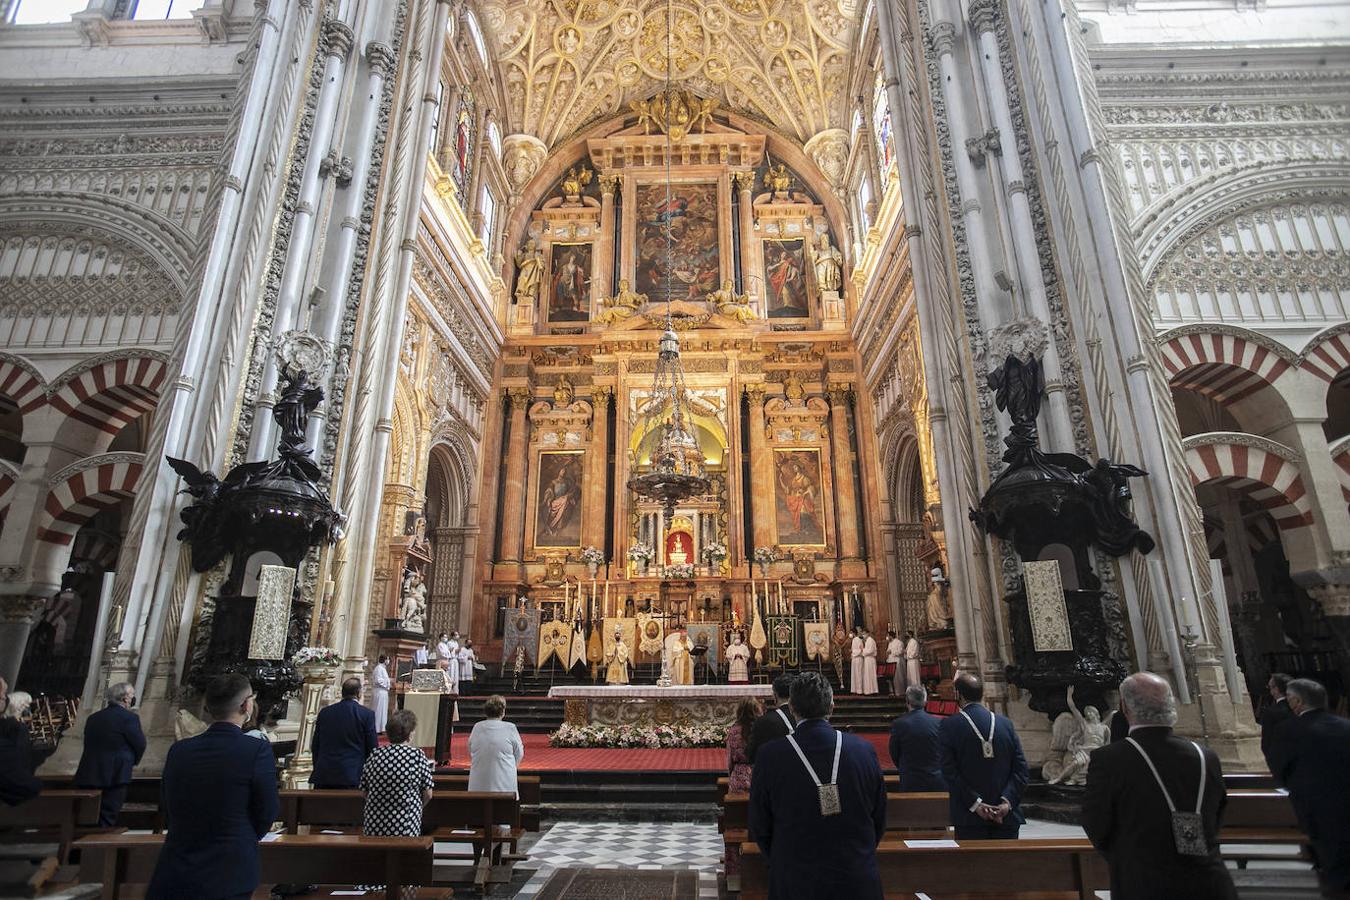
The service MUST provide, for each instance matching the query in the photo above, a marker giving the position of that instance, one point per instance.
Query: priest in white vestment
(466, 657)
(379, 678)
(855, 667)
(681, 663)
(895, 657)
(616, 663)
(738, 661)
(869, 667)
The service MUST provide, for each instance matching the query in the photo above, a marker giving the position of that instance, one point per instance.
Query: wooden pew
(892, 786)
(119, 861)
(140, 812)
(65, 812)
(1043, 867)
(1260, 818)
(527, 786)
(1262, 781)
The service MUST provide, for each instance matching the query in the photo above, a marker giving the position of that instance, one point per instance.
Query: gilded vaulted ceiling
(568, 62)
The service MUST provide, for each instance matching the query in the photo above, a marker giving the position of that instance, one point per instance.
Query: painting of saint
(557, 519)
(799, 504)
(785, 280)
(570, 283)
(688, 221)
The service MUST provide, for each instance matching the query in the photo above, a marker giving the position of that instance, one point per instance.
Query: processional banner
(555, 639)
(651, 633)
(817, 636)
(709, 636)
(783, 650)
(521, 629)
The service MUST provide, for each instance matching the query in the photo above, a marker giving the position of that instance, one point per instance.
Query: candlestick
(782, 604)
(605, 606)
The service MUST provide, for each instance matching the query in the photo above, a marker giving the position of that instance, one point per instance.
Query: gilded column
(761, 471)
(513, 495)
(604, 247)
(846, 516)
(597, 488)
(751, 282)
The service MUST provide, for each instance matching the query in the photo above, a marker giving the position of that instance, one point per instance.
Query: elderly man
(818, 804)
(1154, 802)
(914, 745)
(113, 745)
(1314, 755)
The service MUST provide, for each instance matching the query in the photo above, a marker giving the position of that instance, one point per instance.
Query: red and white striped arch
(72, 502)
(1226, 367)
(111, 394)
(1271, 481)
(1340, 455)
(20, 384)
(1328, 356)
(9, 477)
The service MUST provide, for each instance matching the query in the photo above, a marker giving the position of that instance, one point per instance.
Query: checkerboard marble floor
(627, 845)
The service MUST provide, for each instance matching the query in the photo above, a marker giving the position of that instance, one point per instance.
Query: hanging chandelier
(676, 472)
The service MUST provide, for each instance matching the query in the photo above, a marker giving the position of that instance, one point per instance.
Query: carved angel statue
(1089, 733)
(412, 610)
(574, 182)
(730, 304)
(529, 273)
(1117, 533)
(829, 265)
(779, 180)
(621, 305)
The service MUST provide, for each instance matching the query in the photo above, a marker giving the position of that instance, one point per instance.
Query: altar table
(646, 704)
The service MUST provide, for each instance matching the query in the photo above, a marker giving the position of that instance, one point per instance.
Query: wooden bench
(1263, 781)
(140, 812)
(527, 786)
(1043, 867)
(1262, 819)
(892, 786)
(119, 861)
(64, 813)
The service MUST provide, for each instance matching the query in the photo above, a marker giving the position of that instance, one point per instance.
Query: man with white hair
(1314, 764)
(1154, 802)
(113, 746)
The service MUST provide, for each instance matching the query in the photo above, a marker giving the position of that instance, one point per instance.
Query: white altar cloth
(652, 692)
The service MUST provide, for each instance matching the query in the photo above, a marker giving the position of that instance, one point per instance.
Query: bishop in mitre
(681, 663)
(616, 662)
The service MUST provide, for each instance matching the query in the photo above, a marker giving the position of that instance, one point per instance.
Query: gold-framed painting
(799, 501)
(557, 510)
(569, 282)
(688, 221)
(785, 293)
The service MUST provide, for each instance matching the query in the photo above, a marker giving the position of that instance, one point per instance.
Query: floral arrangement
(592, 557)
(316, 656)
(763, 555)
(651, 737)
(641, 554)
(715, 552)
(680, 570)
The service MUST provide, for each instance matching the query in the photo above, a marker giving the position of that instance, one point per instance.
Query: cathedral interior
(468, 225)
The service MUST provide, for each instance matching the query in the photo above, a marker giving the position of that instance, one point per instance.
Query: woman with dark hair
(397, 780)
(738, 764)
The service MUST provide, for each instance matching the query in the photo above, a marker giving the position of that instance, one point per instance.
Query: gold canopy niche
(758, 293)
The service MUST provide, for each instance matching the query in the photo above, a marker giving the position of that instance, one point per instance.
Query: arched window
(476, 33)
(881, 121)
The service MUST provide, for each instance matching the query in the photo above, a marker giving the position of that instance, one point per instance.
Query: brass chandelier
(676, 472)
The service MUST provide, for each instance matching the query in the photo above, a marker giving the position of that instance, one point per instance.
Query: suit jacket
(768, 727)
(113, 745)
(218, 796)
(810, 855)
(344, 735)
(916, 753)
(17, 781)
(1127, 818)
(1273, 718)
(970, 776)
(1315, 767)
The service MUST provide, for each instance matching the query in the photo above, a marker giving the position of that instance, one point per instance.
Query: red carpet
(540, 757)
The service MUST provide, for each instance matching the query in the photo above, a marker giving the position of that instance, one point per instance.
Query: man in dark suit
(1276, 713)
(985, 785)
(1314, 759)
(344, 735)
(113, 745)
(219, 797)
(914, 745)
(774, 723)
(1126, 814)
(820, 842)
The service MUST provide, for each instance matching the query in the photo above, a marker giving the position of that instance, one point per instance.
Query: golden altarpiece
(757, 291)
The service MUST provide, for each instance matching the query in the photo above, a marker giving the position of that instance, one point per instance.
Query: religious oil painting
(569, 294)
(785, 279)
(687, 221)
(557, 515)
(798, 507)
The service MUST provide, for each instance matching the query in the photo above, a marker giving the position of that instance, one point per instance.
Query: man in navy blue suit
(219, 797)
(344, 735)
(113, 745)
(1315, 767)
(983, 766)
(818, 804)
(914, 745)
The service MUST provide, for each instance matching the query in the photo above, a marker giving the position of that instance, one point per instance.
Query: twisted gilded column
(846, 515)
(513, 493)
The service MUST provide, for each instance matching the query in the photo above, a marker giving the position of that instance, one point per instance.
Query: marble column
(761, 471)
(513, 496)
(751, 280)
(604, 246)
(597, 487)
(846, 515)
(18, 614)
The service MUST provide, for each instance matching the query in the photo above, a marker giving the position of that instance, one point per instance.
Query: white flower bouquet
(680, 570)
(641, 554)
(316, 656)
(592, 557)
(648, 737)
(715, 553)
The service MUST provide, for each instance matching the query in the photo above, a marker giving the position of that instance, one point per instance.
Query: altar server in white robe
(911, 658)
(466, 658)
(895, 657)
(869, 669)
(738, 661)
(445, 648)
(379, 678)
(855, 668)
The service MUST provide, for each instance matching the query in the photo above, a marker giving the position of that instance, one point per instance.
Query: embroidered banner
(1046, 607)
(271, 612)
(651, 634)
(709, 636)
(817, 636)
(521, 629)
(782, 634)
(555, 639)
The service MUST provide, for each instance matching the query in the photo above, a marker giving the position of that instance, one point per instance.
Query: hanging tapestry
(520, 629)
(817, 635)
(782, 634)
(651, 634)
(1045, 606)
